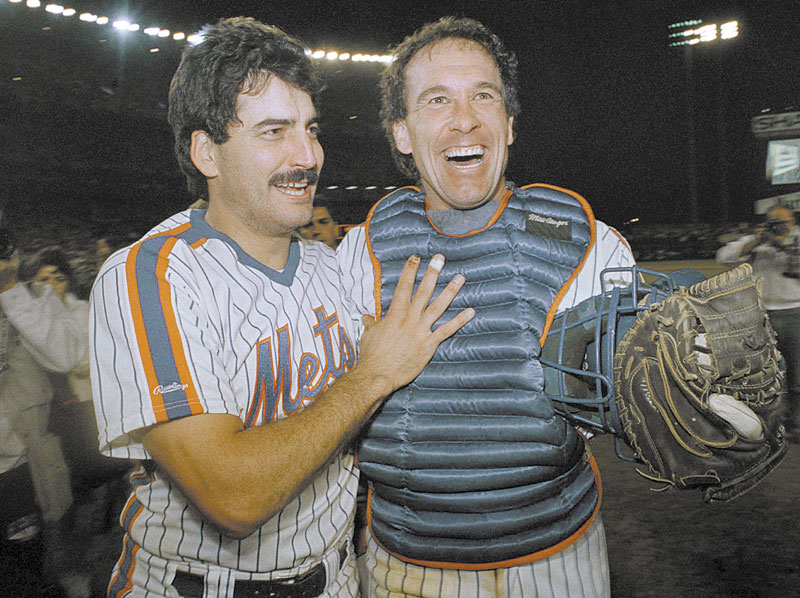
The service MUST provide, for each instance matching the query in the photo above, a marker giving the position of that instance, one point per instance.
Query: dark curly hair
(393, 85)
(49, 256)
(236, 55)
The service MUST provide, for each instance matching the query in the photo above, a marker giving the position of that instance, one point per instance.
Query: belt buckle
(310, 584)
(305, 577)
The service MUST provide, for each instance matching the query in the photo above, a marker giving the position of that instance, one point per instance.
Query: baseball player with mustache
(224, 355)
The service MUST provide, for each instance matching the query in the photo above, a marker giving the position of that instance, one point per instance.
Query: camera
(778, 227)
(7, 245)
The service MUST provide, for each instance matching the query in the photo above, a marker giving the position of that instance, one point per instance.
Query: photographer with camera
(774, 252)
(38, 335)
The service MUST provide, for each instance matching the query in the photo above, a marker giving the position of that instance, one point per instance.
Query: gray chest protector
(469, 466)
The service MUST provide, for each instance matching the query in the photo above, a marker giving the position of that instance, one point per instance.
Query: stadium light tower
(688, 34)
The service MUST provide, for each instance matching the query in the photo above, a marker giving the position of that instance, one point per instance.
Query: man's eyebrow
(267, 122)
(490, 85)
(443, 88)
(430, 91)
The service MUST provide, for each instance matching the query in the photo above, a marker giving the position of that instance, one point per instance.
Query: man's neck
(272, 251)
(461, 222)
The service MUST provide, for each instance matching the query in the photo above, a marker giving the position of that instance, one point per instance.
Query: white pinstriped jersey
(184, 322)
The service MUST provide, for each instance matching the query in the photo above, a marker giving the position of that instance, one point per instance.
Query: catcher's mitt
(698, 387)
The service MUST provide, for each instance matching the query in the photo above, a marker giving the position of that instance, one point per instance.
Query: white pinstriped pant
(580, 571)
(153, 579)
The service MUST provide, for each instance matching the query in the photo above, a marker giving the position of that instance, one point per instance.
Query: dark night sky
(605, 102)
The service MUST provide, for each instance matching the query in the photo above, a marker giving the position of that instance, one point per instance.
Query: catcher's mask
(578, 353)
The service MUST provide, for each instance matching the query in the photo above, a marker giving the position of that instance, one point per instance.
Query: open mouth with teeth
(298, 189)
(464, 156)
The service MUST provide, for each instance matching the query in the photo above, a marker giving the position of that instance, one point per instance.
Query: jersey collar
(283, 277)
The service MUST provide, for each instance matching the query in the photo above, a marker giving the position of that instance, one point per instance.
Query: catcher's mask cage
(578, 353)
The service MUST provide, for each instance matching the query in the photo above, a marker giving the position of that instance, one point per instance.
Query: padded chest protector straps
(469, 466)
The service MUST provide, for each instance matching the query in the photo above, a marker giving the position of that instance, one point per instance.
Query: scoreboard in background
(778, 135)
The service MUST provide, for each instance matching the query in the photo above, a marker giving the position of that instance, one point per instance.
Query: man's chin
(465, 197)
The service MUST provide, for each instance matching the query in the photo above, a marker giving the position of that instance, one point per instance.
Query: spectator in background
(51, 267)
(770, 250)
(38, 334)
(75, 421)
(322, 226)
(98, 483)
(88, 253)
(102, 250)
(106, 245)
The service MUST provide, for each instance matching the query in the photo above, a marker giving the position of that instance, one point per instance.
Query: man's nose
(465, 119)
(303, 151)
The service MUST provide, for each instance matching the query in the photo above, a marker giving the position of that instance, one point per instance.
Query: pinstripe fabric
(184, 322)
(583, 567)
(580, 571)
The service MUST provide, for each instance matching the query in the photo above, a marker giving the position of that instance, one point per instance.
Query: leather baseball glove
(699, 388)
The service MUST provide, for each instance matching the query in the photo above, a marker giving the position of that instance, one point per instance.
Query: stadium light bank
(126, 26)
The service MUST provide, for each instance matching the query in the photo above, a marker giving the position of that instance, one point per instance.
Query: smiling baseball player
(477, 488)
(223, 354)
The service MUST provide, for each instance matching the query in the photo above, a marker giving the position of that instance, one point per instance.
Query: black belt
(308, 585)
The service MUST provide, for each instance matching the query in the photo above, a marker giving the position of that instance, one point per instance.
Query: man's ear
(401, 137)
(510, 130)
(203, 155)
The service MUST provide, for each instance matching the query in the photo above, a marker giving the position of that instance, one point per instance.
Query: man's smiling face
(456, 128)
(264, 176)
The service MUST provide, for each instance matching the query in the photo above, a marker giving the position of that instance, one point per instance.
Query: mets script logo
(274, 387)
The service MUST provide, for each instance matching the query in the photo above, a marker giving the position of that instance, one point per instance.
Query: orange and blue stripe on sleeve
(169, 381)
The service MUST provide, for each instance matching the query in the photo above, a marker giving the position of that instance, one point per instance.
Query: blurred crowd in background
(650, 242)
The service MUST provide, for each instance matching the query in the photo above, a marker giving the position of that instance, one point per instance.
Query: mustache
(295, 176)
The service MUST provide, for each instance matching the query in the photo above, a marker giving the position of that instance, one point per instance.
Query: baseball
(738, 415)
